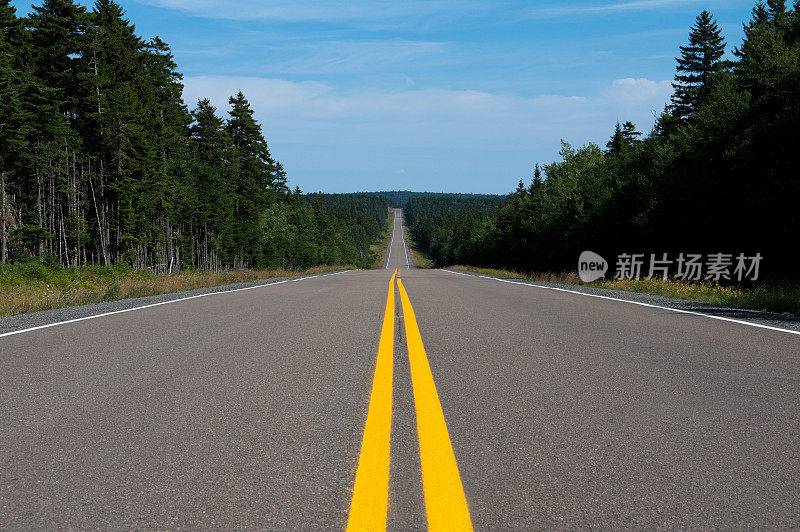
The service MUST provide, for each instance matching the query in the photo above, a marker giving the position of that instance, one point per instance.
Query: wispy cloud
(450, 91)
(354, 55)
(632, 94)
(376, 10)
(374, 132)
(608, 9)
(466, 111)
(310, 10)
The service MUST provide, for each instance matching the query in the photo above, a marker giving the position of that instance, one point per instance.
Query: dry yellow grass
(563, 278)
(782, 298)
(381, 248)
(66, 288)
(420, 260)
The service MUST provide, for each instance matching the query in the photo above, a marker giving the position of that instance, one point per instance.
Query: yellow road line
(371, 491)
(445, 502)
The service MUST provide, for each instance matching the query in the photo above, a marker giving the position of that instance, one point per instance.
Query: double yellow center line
(445, 503)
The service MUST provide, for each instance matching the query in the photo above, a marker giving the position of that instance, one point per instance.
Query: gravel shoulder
(36, 319)
(762, 318)
(46, 317)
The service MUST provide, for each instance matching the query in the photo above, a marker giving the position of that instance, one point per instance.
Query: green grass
(420, 260)
(381, 248)
(32, 286)
(781, 298)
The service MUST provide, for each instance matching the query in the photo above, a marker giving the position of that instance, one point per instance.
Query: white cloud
(377, 10)
(618, 7)
(312, 125)
(341, 57)
(308, 10)
(309, 100)
(630, 94)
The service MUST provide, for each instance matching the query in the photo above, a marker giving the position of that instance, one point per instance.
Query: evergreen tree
(167, 187)
(625, 136)
(629, 134)
(255, 172)
(56, 42)
(115, 122)
(616, 143)
(213, 180)
(699, 60)
(101, 161)
(776, 10)
(13, 119)
(521, 191)
(537, 183)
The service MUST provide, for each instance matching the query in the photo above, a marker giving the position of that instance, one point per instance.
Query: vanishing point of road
(405, 398)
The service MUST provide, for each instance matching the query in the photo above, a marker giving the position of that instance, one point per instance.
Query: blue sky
(439, 95)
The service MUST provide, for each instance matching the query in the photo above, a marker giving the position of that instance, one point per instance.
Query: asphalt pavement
(248, 410)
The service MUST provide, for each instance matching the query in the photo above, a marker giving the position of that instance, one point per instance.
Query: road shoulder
(46, 317)
(768, 319)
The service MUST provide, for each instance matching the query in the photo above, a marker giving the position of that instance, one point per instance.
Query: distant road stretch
(421, 398)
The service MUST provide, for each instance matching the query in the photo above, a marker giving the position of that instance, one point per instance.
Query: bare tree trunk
(39, 208)
(51, 222)
(73, 210)
(3, 221)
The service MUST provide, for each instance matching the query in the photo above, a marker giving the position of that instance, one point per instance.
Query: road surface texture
(258, 409)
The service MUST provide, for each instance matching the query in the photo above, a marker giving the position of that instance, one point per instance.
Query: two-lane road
(248, 409)
(398, 254)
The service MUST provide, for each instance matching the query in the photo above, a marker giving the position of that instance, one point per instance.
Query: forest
(399, 198)
(102, 162)
(718, 173)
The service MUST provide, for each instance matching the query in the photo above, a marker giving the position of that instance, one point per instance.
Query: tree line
(102, 162)
(399, 198)
(717, 173)
(440, 225)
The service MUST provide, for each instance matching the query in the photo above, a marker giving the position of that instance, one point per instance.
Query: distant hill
(399, 198)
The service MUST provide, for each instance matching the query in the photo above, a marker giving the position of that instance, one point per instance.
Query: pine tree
(55, 39)
(255, 167)
(767, 54)
(56, 43)
(167, 186)
(537, 182)
(254, 175)
(616, 143)
(776, 10)
(700, 59)
(101, 161)
(13, 119)
(114, 122)
(521, 191)
(213, 180)
(625, 136)
(629, 134)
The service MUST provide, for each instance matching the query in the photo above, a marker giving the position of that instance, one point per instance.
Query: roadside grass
(563, 278)
(420, 260)
(781, 298)
(32, 286)
(381, 247)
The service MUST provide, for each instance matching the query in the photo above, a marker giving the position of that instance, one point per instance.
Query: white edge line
(403, 232)
(66, 322)
(681, 311)
(389, 256)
